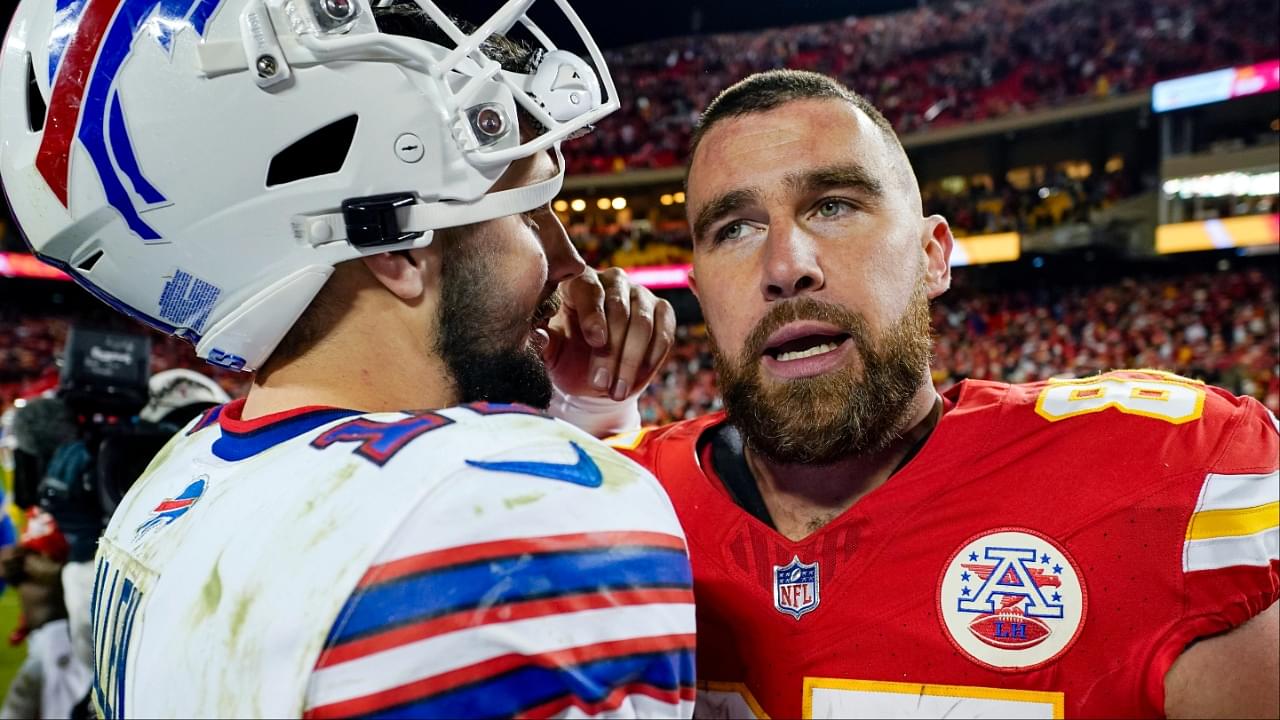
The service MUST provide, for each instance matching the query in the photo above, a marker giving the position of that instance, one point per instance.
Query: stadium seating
(939, 65)
(1220, 328)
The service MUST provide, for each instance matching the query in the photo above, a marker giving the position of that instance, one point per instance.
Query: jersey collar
(242, 439)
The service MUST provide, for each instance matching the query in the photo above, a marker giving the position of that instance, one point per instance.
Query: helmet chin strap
(425, 217)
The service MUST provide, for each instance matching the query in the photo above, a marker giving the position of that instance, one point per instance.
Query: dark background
(615, 23)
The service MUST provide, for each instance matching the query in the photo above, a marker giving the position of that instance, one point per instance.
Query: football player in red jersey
(863, 547)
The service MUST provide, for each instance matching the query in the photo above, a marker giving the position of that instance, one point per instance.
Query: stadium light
(578, 205)
(678, 197)
(1224, 185)
(603, 203)
(666, 199)
(561, 206)
(619, 203)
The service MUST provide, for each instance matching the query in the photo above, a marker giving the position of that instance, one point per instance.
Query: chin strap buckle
(373, 221)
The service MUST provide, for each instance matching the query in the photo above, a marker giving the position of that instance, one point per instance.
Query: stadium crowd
(1219, 327)
(982, 205)
(1223, 328)
(941, 64)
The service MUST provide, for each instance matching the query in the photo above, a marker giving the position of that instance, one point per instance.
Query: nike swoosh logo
(585, 472)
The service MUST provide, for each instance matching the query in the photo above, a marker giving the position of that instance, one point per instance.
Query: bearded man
(863, 547)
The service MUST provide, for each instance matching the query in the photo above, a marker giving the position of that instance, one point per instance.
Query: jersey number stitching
(1175, 400)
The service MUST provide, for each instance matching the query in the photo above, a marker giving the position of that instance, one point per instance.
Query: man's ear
(407, 274)
(693, 284)
(938, 244)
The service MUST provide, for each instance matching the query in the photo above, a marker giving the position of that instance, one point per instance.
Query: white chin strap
(426, 217)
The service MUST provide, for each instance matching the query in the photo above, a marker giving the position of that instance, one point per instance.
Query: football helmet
(202, 165)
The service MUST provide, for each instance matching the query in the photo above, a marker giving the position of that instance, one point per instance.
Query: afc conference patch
(795, 587)
(1011, 599)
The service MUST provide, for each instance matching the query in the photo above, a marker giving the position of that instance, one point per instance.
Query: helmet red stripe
(53, 160)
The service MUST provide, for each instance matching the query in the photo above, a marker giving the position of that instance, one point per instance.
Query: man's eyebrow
(849, 175)
(720, 206)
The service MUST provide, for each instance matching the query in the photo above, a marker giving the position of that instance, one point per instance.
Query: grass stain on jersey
(616, 475)
(514, 502)
(335, 481)
(210, 594)
(238, 617)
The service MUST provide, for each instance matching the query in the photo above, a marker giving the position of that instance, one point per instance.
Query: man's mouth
(802, 340)
(806, 348)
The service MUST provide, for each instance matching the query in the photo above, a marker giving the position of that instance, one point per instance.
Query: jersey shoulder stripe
(507, 684)
(498, 575)
(537, 691)
(1236, 522)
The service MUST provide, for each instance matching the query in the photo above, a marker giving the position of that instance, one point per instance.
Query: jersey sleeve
(545, 580)
(1231, 551)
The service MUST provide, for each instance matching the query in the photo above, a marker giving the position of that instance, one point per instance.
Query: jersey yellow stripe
(1230, 523)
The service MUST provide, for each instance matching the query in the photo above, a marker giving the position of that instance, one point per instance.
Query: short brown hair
(767, 90)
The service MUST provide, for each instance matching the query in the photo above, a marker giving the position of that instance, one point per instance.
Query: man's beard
(843, 413)
(476, 334)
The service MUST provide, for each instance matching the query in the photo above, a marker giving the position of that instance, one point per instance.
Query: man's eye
(832, 208)
(732, 231)
(530, 220)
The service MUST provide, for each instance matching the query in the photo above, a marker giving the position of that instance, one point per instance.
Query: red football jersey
(1049, 552)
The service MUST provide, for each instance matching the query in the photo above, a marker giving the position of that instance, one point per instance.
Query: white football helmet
(203, 164)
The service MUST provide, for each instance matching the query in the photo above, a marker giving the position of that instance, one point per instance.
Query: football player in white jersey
(350, 197)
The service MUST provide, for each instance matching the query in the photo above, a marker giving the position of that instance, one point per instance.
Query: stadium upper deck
(939, 65)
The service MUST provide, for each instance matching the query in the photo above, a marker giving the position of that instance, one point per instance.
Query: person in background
(52, 678)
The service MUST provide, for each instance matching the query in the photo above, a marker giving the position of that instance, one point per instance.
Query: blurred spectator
(619, 247)
(944, 63)
(980, 206)
(1221, 328)
(52, 679)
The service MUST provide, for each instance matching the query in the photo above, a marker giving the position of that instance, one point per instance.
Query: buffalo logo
(91, 40)
(170, 509)
(1011, 599)
(795, 587)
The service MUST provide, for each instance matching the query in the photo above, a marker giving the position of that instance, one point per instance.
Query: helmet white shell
(140, 144)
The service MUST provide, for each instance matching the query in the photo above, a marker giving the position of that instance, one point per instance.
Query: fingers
(634, 350)
(664, 335)
(617, 311)
(585, 295)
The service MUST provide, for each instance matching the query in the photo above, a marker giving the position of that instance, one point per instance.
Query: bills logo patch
(795, 587)
(170, 509)
(1011, 599)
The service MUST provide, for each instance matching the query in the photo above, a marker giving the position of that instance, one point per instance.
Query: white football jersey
(484, 560)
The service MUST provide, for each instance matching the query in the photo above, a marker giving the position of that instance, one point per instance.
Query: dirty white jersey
(477, 561)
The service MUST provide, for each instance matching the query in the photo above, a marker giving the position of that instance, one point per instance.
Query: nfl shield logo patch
(795, 587)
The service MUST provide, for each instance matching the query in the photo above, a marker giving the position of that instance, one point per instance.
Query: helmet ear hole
(87, 264)
(36, 107)
(320, 153)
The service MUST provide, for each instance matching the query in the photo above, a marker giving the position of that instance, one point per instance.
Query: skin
(608, 337)
(834, 238)
(783, 241)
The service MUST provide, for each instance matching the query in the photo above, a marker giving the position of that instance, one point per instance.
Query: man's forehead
(801, 131)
